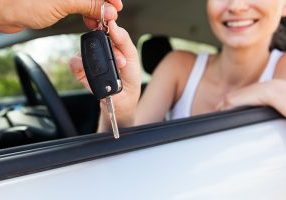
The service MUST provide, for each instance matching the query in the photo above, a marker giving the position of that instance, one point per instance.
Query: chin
(239, 43)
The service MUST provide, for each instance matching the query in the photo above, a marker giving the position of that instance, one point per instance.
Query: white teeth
(240, 23)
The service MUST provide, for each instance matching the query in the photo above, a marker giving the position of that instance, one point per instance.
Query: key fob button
(112, 86)
(96, 61)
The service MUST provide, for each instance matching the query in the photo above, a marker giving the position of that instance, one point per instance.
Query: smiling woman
(237, 22)
(188, 84)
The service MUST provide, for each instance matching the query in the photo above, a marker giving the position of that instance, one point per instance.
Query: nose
(238, 6)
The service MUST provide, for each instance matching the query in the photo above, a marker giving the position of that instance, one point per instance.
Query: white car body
(242, 163)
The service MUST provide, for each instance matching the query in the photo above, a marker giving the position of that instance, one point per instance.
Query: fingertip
(71, 63)
(75, 64)
(120, 7)
(110, 13)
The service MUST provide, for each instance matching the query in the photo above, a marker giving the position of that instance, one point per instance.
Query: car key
(100, 68)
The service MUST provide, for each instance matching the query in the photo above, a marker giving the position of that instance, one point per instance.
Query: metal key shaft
(111, 111)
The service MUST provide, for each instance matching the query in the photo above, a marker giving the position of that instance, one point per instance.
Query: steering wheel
(30, 72)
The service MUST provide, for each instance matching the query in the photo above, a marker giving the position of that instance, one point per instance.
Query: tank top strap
(183, 107)
(269, 70)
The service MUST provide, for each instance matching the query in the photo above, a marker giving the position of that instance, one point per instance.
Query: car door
(239, 154)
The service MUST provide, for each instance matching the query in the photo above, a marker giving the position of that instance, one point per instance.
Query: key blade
(112, 117)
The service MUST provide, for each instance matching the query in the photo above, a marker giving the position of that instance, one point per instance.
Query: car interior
(44, 116)
(42, 113)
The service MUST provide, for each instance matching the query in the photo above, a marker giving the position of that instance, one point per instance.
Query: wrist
(272, 91)
(265, 93)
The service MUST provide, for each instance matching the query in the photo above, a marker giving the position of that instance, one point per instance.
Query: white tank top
(183, 107)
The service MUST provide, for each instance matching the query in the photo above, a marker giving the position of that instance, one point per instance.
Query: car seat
(153, 50)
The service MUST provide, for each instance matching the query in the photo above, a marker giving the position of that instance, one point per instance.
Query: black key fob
(99, 64)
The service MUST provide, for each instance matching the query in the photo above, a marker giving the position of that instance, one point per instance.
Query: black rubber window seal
(53, 154)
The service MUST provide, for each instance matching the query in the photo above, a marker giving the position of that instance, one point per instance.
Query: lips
(239, 23)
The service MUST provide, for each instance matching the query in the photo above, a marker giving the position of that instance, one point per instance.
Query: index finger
(121, 39)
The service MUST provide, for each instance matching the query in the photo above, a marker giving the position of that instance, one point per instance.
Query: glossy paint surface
(243, 163)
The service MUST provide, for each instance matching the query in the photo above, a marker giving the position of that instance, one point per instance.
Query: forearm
(36, 14)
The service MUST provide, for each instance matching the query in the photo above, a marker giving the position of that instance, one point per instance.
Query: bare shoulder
(177, 65)
(177, 62)
(179, 58)
(280, 72)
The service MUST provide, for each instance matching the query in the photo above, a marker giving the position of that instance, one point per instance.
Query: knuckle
(94, 9)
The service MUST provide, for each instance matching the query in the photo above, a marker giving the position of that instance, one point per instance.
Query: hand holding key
(128, 66)
(37, 14)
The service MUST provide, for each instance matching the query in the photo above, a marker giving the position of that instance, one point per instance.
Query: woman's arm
(271, 93)
(165, 87)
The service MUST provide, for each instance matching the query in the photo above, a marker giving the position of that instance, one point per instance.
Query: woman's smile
(238, 25)
(245, 23)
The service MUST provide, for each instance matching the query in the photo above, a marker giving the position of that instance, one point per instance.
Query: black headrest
(153, 50)
(279, 37)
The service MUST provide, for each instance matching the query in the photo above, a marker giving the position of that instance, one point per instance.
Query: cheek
(215, 9)
(272, 14)
(271, 9)
(216, 6)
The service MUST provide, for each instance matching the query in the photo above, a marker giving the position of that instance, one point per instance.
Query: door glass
(51, 53)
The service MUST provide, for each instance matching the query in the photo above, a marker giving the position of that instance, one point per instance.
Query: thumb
(130, 73)
(121, 39)
(91, 8)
